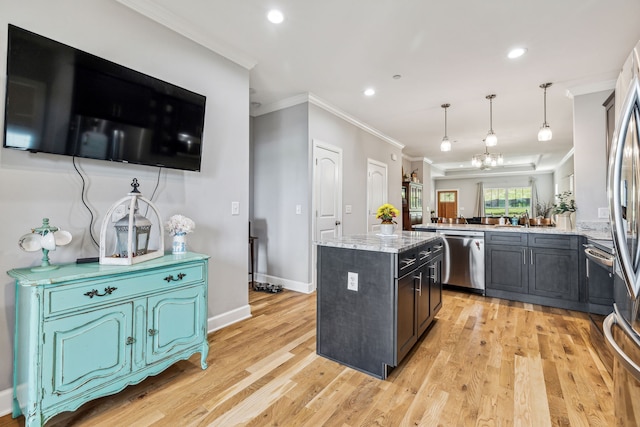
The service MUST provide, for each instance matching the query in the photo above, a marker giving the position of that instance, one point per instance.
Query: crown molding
(319, 102)
(418, 159)
(315, 100)
(175, 23)
(566, 157)
(279, 105)
(586, 89)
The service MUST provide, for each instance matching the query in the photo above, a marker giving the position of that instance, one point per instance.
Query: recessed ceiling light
(275, 16)
(370, 92)
(517, 52)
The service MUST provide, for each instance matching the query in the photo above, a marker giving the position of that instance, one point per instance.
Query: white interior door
(327, 190)
(377, 192)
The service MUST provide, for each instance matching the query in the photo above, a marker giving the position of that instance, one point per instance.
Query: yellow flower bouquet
(386, 213)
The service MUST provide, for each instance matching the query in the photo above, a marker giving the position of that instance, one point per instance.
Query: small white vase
(387, 229)
(179, 245)
(563, 221)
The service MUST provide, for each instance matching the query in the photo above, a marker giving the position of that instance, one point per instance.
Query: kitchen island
(376, 296)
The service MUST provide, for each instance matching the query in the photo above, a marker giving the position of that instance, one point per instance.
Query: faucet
(525, 215)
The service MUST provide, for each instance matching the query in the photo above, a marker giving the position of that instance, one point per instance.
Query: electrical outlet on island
(352, 281)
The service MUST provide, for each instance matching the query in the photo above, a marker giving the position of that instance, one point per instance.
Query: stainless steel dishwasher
(463, 260)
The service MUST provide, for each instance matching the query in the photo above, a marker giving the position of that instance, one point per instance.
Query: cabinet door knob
(338, 222)
(130, 340)
(153, 332)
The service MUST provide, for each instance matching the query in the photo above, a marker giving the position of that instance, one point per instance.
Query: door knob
(337, 222)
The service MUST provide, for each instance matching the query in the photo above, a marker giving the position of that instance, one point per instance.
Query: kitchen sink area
(536, 264)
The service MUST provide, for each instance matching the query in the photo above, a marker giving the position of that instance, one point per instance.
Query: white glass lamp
(445, 145)
(126, 234)
(545, 134)
(492, 139)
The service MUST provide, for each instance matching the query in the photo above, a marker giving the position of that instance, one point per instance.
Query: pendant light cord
(445, 122)
(545, 105)
(491, 114)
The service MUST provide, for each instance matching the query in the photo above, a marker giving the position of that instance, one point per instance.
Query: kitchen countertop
(397, 242)
(599, 235)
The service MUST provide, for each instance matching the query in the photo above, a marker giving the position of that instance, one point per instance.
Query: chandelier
(487, 160)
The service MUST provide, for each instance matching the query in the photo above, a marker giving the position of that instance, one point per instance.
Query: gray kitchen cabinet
(535, 268)
(506, 268)
(554, 273)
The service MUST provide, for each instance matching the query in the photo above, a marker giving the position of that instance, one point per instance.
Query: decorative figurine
(45, 238)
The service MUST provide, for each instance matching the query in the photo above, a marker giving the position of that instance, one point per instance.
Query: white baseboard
(225, 319)
(6, 400)
(305, 288)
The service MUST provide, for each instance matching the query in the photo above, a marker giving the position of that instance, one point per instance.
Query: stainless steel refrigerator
(622, 327)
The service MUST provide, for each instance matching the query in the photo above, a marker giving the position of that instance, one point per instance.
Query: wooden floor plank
(484, 362)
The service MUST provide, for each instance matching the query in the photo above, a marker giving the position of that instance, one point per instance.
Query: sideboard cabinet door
(81, 351)
(175, 322)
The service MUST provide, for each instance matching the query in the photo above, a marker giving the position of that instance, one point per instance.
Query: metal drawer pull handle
(170, 278)
(153, 332)
(419, 289)
(94, 292)
(130, 340)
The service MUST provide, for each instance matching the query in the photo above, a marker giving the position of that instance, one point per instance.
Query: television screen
(62, 100)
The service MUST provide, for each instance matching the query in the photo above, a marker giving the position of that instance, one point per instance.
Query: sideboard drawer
(110, 289)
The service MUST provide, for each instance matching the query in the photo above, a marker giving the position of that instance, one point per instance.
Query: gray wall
(280, 178)
(282, 169)
(562, 176)
(468, 190)
(39, 185)
(590, 159)
(358, 146)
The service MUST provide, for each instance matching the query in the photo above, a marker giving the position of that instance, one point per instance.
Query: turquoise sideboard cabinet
(84, 331)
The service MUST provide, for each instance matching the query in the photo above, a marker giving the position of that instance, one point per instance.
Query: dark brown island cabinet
(376, 297)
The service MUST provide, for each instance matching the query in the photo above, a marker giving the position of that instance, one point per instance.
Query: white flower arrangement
(180, 224)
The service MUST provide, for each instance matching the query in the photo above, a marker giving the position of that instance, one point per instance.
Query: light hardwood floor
(484, 362)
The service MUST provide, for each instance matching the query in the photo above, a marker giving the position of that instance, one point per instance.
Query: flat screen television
(62, 100)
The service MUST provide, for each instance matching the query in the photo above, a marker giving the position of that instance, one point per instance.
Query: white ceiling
(446, 52)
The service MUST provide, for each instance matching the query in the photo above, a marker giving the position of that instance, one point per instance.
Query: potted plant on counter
(387, 213)
(563, 209)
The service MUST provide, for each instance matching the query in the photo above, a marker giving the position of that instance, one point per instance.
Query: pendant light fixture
(491, 140)
(545, 134)
(445, 145)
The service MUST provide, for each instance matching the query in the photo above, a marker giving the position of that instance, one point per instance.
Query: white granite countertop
(397, 242)
(517, 229)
